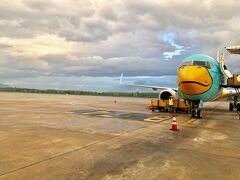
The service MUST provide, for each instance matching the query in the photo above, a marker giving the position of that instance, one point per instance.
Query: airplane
(201, 78)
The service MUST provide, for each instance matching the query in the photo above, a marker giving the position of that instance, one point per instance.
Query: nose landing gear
(196, 109)
(196, 113)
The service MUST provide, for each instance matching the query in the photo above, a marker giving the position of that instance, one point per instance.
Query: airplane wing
(233, 49)
(155, 88)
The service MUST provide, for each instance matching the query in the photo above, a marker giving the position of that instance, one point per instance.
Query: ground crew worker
(170, 104)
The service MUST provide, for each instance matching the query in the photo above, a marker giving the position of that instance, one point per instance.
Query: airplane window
(186, 63)
(198, 63)
(203, 63)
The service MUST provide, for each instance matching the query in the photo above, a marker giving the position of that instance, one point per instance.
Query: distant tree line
(90, 93)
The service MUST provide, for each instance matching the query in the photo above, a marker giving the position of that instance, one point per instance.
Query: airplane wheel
(230, 106)
(159, 109)
(193, 113)
(238, 106)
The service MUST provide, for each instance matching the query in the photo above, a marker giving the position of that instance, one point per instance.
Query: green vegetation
(69, 92)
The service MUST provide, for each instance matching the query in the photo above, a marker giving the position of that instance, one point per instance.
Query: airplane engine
(165, 94)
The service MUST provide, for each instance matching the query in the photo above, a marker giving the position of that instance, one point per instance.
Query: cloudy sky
(87, 44)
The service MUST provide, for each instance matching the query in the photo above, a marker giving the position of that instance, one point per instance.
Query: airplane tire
(238, 106)
(199, 114)
(193, 113)
(230, 106)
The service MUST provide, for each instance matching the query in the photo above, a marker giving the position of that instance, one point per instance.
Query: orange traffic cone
(174, 124)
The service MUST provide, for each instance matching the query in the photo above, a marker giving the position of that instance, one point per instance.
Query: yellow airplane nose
(193, 80)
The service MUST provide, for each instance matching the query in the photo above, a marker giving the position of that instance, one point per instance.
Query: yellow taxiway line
(104, 115)
(189, 122)
(156, 119)
(152, 120)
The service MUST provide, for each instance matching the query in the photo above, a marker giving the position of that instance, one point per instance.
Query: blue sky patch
(170, 38)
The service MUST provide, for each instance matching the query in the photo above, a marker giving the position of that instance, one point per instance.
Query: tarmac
(45, 136)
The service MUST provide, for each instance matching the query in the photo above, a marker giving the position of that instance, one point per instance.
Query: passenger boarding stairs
(233, 80)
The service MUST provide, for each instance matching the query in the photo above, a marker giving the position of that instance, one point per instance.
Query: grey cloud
(107, 11)
(98, 66)
(39, 5)
(9, 73)
(5, 46)
(90, 29)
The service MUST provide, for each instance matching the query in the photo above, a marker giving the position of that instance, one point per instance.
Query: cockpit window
(203, 63)
(198, 63)
(188, 63)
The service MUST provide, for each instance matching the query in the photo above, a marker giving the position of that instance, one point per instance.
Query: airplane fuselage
(200, 78)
